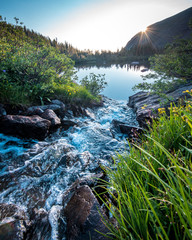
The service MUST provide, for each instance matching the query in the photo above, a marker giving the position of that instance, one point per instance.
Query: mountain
(161, 33)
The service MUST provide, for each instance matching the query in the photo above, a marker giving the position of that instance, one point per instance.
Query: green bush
(94, 83)
(171, 68)
(31, 70)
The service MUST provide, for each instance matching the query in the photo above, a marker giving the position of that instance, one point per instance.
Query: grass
(151, 189)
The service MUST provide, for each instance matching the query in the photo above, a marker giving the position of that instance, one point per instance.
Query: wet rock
(87, 159)
(2, 110)
(77, 110)
(13, 222)
(126, 129)
(58, 102)
(146, 105)
(90, 113)
(93, 180)
(83, 216)
(34, 111)
(69, 159)
(66, 123)
(25, 126)
(12, 109)
(58, 109)
(40, 227)
(52, 117)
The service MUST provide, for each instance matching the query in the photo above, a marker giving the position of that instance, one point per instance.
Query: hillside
(161, 33)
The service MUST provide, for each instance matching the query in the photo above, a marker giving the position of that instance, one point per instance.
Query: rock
(25, 126)
(2, 110)
(34, 111)
(145, 70)
(77, 110)
(87, 160)
(52, 117)
(146, 105)
(13, 222)
(69, 159)
(58, 109)
(66, 123)
(58, 102)
(40, 227)
(126, 129)
(83, 216)
(12, 109)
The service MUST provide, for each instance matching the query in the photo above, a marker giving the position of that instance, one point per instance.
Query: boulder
(83, 216)
(52, 117)
(146, 105)
(34, 111)
(77, 110)
(126, 129)
(58, 102)
(58, 109)
(92, 180)
(12, 109)
(67, 123)
(25, 126)
(13, 222)
(40, 227)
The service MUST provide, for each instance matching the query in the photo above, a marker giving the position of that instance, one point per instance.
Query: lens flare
(144, 29)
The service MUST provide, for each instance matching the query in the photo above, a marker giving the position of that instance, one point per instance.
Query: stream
(36, 174)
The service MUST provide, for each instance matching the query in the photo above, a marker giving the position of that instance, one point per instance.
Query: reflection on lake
(120, 78)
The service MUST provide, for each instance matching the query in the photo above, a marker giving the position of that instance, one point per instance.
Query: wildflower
(68, 90)
(187, 91)
(161, 110)
(4, 70)
(144, 106)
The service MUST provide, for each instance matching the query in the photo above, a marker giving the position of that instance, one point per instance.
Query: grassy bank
(151, 187)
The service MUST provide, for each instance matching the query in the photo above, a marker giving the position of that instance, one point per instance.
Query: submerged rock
(67, 123)
(51, 175)
(83, 215)
(25, 126)
(13, 222)
(40, 227)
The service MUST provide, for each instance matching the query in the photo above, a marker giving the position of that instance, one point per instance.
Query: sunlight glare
(144, 29)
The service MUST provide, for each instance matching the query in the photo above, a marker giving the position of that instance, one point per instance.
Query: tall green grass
(151, 188)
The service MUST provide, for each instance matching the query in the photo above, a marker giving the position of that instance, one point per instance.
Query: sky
(91, 24)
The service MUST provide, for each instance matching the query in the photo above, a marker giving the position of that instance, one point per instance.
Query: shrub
(171, 68)
(35, 70)
(94, 83)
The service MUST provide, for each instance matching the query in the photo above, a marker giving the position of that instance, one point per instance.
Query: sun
(144, 29)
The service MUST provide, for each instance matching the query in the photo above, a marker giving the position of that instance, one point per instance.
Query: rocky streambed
(47, 174)
(45, 190)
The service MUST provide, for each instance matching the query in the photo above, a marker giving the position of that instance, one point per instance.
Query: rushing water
(37, 173)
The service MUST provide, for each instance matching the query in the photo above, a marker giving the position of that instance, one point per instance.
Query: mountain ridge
(163, 32)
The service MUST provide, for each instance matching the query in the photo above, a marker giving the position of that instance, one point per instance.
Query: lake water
(120, 79)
